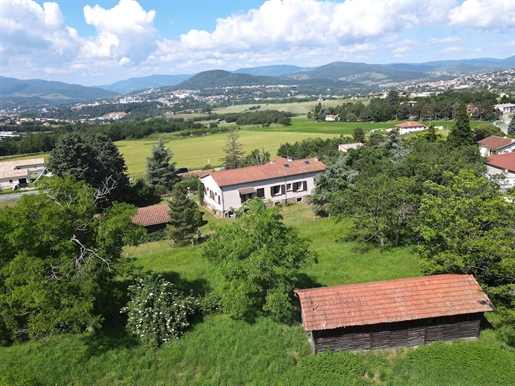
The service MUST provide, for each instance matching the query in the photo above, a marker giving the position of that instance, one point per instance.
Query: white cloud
(34, 36)
(452, 50)
(125, 33)
(484, 14)
(450, 39)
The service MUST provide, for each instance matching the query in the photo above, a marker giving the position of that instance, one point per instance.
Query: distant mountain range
(36, 91)
(353, 76)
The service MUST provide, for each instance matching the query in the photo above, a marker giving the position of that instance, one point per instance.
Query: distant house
(345, 147)
(281, 180)
(502, 165)
(393, 313)
(332, 118)
(20, 173)
(506, 108)
(410, 127)
(496, 145)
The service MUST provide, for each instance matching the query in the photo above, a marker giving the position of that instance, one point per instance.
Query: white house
(506, 108)
(332, 118)
(496, 145)
(13, 173)
(410, 127)
(345, 147)
(502, 165)
(281, 180)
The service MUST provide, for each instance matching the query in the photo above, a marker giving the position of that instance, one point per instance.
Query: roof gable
(409, 124)
(152, 215)
(279, 167)
(503, 161)
(391, 301)
(495, 142)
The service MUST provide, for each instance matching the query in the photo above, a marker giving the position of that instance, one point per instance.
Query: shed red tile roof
(410, 124)
(279, 167)
(152, 215)
(391, 301)
(495, 142)
(503, 161)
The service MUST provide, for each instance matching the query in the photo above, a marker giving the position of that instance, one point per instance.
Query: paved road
(15, 196)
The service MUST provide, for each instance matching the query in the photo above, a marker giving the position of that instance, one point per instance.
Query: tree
(511, 127)
(59, 264)
(258, 158)
(160, 172)
(467, 226)
(461, 134)
(486, 130)
(157, 312)
(185, 217)
(93, 159)
(358, 135)
(257, 256)
(234, 155)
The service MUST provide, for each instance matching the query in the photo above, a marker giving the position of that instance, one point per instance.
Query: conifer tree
(185, 217)
(461, 134)
(511, 127)
(160, 171)
(234, 155)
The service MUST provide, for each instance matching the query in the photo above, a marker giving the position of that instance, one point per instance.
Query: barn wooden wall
(402, 334)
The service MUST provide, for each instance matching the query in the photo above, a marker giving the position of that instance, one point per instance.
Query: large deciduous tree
(160, 171)
(257, 256)
(467, 226)
(234, 155)
(185, 217)
(93, 159)
(59, 263)
(461, 134)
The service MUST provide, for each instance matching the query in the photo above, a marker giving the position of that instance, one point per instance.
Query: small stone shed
(393, 313)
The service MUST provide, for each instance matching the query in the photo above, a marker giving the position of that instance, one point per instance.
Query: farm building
(20, 173)
(410, 127)
(280, 181)
(496, 145)
(393, 313)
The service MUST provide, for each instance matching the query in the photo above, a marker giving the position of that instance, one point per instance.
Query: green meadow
(219, 350)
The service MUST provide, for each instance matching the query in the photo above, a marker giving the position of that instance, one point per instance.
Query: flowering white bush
(156, 311)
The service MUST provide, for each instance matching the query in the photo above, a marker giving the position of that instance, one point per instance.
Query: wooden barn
(393, 313)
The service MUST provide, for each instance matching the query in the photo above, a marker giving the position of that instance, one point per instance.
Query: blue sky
(101, 42)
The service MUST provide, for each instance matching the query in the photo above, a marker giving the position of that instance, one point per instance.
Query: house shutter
(294, 186)
(305, 186)
(272, 191)
(283, 188)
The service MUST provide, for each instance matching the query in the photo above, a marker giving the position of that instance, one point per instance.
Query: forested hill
(50, 92)
(221, 78)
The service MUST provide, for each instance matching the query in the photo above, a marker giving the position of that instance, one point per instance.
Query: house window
(245, 197)
(218, 200)
(260, 192)
(277, 190)
(298, 186)
(288, 187)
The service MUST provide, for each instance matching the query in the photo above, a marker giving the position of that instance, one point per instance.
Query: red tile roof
(410, 124)
(391, 301)
(279, 167)
(503, 161)
(152, 215)
(495, 142)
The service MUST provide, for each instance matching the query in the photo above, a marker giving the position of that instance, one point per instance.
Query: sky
(92, 42)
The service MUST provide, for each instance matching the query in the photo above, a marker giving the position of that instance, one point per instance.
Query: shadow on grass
(197, 287)
(301, 281)
(112, 337)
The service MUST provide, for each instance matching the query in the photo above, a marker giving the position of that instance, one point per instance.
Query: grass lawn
(196, 152)
(219, 350)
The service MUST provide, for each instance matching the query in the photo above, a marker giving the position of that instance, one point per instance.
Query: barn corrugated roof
(279, 167)
(391, 301)
(152, 215)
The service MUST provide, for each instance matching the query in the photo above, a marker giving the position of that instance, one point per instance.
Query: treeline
(325, 149)
(394, 107)
(30, 143)
(266, 117)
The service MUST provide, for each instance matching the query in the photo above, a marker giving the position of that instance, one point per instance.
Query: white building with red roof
(502, 165)
(410, 127)
(280, 181)
(496, 145)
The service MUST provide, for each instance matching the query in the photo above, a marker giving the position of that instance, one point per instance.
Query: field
(222, 351)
